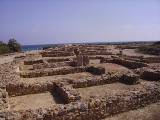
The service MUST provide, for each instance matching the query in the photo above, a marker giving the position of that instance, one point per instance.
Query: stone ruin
(65, 80)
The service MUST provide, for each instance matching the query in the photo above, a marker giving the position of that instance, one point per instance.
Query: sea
(36, 47)
(40, 47)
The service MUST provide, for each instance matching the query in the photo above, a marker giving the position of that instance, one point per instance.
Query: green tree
(14, 46)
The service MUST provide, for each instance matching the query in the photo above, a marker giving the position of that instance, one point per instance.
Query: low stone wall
(97, 53)
(96, 80)
(142, 59)
(51, 60)
(51, 72)
(56, 54)
(52, 65)
(4, 104)
(130, 78)
(94, 109)
(149, 74)
(151, 60)
(20, 88)
(67, 93)
(93, 57)
(32, 61)
(133, 58)
(127, 63)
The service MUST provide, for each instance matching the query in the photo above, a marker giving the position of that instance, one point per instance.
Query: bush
(4, 48)
(14, 46)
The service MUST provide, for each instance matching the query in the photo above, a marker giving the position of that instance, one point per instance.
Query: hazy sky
(59, 21)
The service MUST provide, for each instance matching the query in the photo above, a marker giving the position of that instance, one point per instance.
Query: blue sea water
(40, 47)
(35, 47)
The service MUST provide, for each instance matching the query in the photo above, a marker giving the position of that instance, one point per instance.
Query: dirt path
(6, 59)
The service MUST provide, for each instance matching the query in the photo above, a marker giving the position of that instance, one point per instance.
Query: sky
(68, 21)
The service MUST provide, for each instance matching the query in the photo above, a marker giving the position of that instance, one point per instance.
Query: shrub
(4, 48)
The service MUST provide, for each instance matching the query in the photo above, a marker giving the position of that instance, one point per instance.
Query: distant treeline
(153, 49)
(10, 47)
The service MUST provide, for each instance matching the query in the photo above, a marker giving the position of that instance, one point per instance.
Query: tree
(14, 46)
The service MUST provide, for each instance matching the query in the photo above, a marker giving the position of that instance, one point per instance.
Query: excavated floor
(150, 112)
(34, 101)
(109, 67)
(108, 89)
(74, 76)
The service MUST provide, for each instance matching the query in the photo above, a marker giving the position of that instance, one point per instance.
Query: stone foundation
(52, 60)
(32, 61)
(56, 54)
(67, 93)
(127, 63)
(51, 72)
(4, 105)
(94, 109)
(130, 78)
(20, 88)
(96, 80)
(52, 65)
(149, 74)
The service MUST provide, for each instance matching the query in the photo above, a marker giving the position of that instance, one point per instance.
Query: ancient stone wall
(96, 80)
(127, 63)
(142, 59)
(148, 74)
(52, 71)
(152, 60)
(81, 60)
(67, 93)
(4, 104)
(52, 65)
(94, 109)
(56, 54)
(130, 78)
(20, 88)
(51, 60)
(32, 61)
(97, 53)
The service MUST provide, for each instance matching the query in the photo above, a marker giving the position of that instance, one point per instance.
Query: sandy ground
(10, 57)
(6, 59)
(150, 112)
(32, 101)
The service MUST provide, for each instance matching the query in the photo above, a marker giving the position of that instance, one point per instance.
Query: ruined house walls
(148, 74)
(127, 63)
(52, 65)
(56, 54)
(4, 103)
(95, 108)
(21, 88)
(142, 59)
(67, 92)
(126, 78)
(50, 72)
